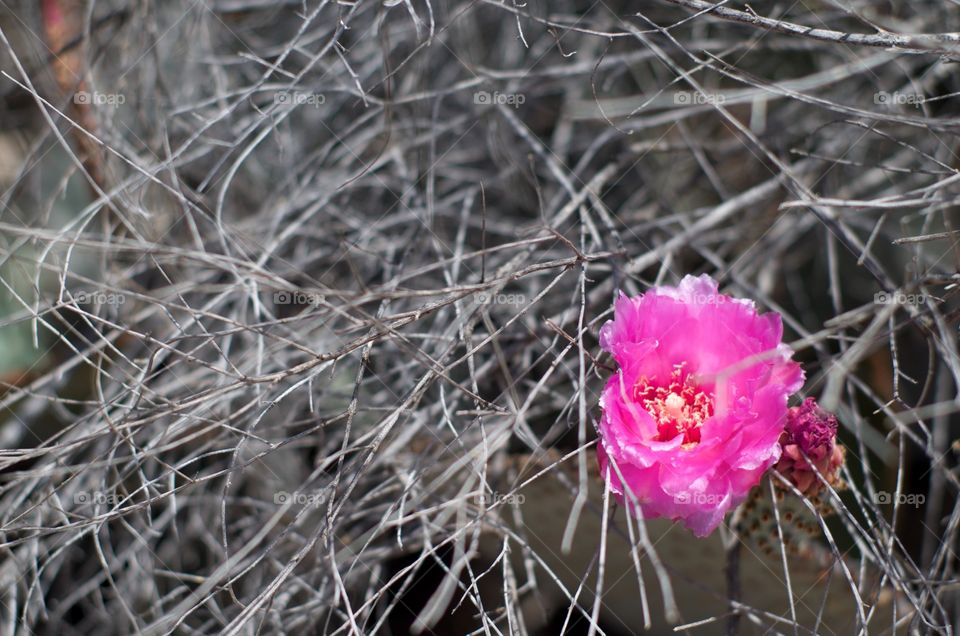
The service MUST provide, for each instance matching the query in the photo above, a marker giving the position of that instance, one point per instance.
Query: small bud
(809, 446)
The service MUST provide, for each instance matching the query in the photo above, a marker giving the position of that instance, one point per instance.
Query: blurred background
(300, 303)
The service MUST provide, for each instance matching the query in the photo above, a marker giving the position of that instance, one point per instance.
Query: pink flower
(810, 431)
(694, 414)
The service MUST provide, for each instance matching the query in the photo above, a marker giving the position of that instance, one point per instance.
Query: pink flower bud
(810, 446)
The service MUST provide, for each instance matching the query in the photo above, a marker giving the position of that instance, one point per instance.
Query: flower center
(680, 407)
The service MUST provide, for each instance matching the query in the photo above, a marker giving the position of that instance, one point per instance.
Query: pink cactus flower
(693, 416)
(810, 432)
